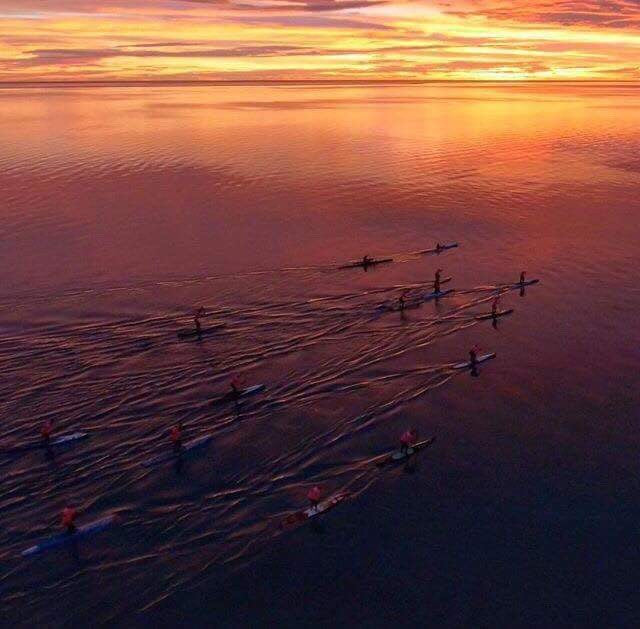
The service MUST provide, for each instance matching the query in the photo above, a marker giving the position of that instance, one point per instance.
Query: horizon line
(221, 82)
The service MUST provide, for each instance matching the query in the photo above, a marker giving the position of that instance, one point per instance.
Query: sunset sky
(319, 39)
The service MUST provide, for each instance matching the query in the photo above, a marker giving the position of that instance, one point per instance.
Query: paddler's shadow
(494, 323)
(317, 527)
(411, 465)
(474, 372)
(523, 291)
(74, 551)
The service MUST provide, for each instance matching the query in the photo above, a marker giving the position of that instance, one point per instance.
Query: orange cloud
(318, 39)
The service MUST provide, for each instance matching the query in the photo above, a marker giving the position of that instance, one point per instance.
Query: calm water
(124, 208)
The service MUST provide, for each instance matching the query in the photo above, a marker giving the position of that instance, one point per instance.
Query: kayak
(66, 538)
(490, 315)
(40, 445)
(361, 263)
(232, 396)
(399, 455)
(527, 283)
(442, 293)
(319, 509)
(190, 446)
(188, 333)
(481, 359)
(452, 245)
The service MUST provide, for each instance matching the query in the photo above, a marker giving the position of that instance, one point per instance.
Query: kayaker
(436, 283)
(45, 431)
(522, 277)
(407, 439)
(438, 247)
(314, 495)
(68, 520)
(494, 305)
(402, 301)
(366, 260)
(176, 437)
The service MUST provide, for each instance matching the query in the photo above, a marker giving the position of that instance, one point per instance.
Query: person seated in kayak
(522, 277)
(314, 495)
(176, 437)
(473, 355)
(436, 282)
(69, 515)
(407, 439)
(45, 431)
(438, 247)
(494, 305)
(201, 312)
(366, 260)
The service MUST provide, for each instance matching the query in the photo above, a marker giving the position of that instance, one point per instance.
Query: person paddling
(176, 437)
(314, 495)
(473, 356)
(522, 277)
(366, 260)
(68, 518)
(436, 282)
(402, 301)
(407, 439)
(236, 387)
(201, 312)
(494, 306)
(45, 431)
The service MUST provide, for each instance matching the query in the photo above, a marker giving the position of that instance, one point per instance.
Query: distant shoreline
(338, 82)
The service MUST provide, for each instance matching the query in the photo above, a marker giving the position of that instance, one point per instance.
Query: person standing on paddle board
(366, 260)
(407, 439)
(436, 282)
(45, 431)
(176, 438)
(236, 387)
(200, 312)
(494, 305)
(473, 356)
(314, 495)
(68, 518)
(522, 277)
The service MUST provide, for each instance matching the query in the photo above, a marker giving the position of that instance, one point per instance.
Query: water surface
(124, 208)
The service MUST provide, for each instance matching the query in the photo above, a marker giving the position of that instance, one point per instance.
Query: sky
(64, 40)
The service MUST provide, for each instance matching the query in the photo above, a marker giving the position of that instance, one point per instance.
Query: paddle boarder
(473, 356)
(522, 277)
(236, 387)
(69, 515)
(402, 301)
(176, 438)
(314, 495)
(45, 431)
(366, 260)
(200, 312)
(494, 306)
(436, 282)
(407, 439)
